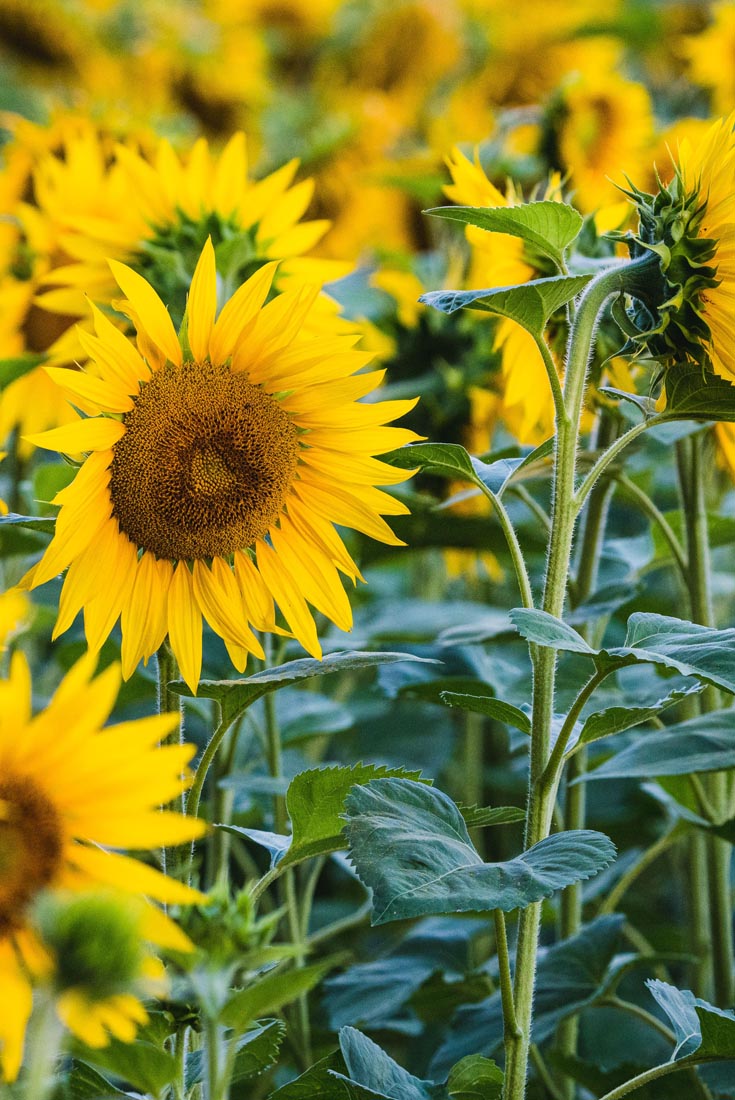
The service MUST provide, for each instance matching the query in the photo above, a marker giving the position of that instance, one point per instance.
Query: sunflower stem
(43, 1045)
(716, 852)
(542, 789)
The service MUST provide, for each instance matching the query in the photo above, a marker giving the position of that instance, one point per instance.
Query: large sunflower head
(69, 792)
(689, 224)
(218, 463)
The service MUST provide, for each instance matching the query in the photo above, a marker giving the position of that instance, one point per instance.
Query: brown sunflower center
(31, 847)
(205, 464)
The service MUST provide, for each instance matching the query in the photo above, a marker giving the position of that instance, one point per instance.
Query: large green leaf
(702, 744)
(691, 649)
(530, 304)
(692, 393)
(410, 844)
(315, 802)
(703, 1031)
(257, 1049)
(452, 461)
(270, 993)
(549, 227)
(33, 523)
(319, 1081)
(235, 696)
(144, 1065)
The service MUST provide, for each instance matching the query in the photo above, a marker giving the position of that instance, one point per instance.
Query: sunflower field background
(367, 599)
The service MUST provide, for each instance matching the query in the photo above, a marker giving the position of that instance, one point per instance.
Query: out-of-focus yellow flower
(15, 614)
(603, 128)
(710, 54)
(69, 792)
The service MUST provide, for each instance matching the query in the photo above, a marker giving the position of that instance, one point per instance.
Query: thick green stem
(716, 852)
(43, 1044)
(510, 1024)
(541, 793)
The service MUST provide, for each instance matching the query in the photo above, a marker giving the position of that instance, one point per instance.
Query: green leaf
(369, 1066)
(15, 367)
(33, 523)
(475, 1078)
(546, 630)
(145, 1066)
(530, 304)
(702, 744)
(271, 992)
(703, 1031)
(691, 649)
(315, 801)
(443, 459)
(549, 227)
(492, 708)
(694, 394)
(410, 845)
(236, 696)
(604, 723)
(257, 1049)
(480, 817)
(85, 1083)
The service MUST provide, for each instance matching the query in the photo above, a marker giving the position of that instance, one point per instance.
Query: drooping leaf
(604, 723)
(549, 227)
(236, 696)
(702, 744)
(570, 976)
(371, 1067)
(410, 844)
(491, 707)
(530, 304)
(703, 1031)
(692, 393)
(271, 992)
(475, 1078)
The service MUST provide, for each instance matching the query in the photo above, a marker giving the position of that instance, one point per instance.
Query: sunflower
(690, 225)
(217, 468)
(158, 212)
(69, 792)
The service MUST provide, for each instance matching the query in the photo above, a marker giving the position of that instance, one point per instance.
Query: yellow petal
(289, 599)
(119, 555)
(258, 600)
(218, 597)
(150, 310)
(81, 389)
(95, 434)
(239, 311)
(185, 625)
(131, 876)
(202, 303)
(144, 619)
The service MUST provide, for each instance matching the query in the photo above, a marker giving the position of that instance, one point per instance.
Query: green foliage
(490, 707)
(612, 720)
(702, 1030)
(530, 305)
(548, 227)
(702, 744)
(389, 823)
(475, 1078)
(271, 992)
(144, 1065)
(14, 368)
(698, 394)
(235, 696)
(85, 1083)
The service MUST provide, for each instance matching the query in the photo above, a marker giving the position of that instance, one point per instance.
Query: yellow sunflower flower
(69, 793)
(216, 472)
(157, 214)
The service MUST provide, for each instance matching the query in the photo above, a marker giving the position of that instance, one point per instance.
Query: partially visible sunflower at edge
(690, 225)
(70, 792)
(217, 468)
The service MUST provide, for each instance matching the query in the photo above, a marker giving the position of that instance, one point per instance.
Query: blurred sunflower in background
(226, 458)
(70, 792)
